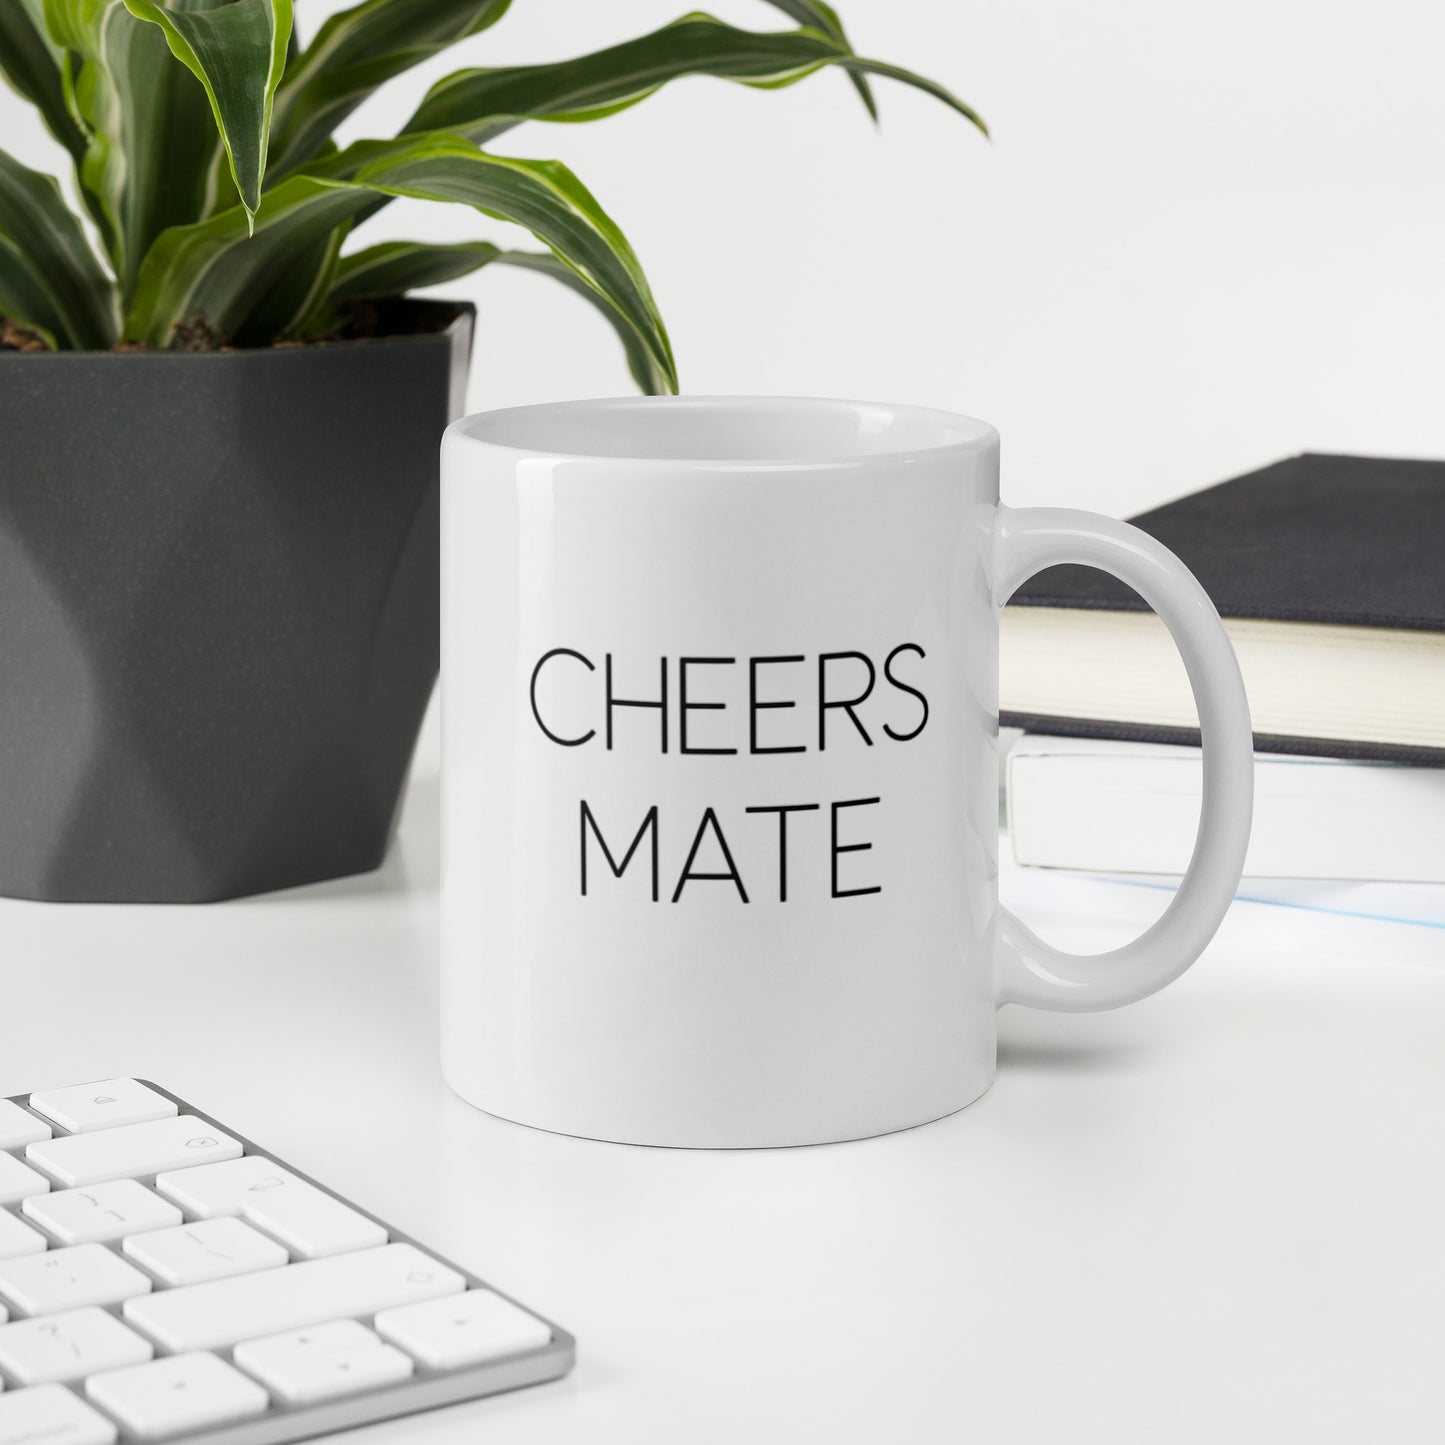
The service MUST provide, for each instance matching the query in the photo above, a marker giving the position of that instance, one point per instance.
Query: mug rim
(891, 433)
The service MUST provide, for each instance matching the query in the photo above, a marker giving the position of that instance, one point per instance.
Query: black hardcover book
(1330, 574)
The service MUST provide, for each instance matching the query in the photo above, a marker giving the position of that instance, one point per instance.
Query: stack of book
(1329, 572)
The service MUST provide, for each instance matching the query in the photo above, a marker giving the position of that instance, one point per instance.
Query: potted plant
(218, 432)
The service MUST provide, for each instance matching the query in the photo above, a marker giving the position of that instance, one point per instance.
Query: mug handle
(1030, 971)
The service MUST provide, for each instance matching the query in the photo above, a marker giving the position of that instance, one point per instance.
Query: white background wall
(1202, 237)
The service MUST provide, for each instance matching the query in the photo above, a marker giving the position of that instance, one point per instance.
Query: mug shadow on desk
(1024, 1048)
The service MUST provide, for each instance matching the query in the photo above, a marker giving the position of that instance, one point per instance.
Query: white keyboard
(163, 1279)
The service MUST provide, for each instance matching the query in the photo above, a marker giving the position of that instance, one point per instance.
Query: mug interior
(783, 431)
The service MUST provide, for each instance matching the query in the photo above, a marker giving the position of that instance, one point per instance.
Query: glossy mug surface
(720, 691)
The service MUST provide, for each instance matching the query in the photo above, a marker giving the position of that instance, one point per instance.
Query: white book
(1380, 686)
(1105, 806)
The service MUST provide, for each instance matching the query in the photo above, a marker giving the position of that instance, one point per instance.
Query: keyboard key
(18, 1181)
(18, 1128)
(67, 1347)
(51, 1415)
(469, 1329)
(303, 1367)
(273, 1351)
(67, 1279)
(101, 1213)
(175, 1395)
(210, 1249)
(132, 1150)
(18, 1238)
(227, 1311)
(83, 1108)
(307, 1220)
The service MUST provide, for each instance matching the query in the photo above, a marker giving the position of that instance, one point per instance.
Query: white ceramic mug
(720, 787)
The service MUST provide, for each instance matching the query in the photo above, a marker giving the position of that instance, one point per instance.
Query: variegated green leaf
(50, 265)
(481, 104)
(395, 267)
(30, 62)
(24, 298)
(296, 301)
(861, 65)
(211, 271)
(815, 15)
(150, 159)
(237, 50)
(220, 276)
(643, 365)
(354, 52)
(543, 196)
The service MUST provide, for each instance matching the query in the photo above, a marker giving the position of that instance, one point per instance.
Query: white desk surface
(1216, 1215)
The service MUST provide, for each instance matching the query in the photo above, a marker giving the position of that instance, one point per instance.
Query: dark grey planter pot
(218, 610)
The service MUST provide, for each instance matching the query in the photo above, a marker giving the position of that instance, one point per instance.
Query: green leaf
(481, 104)
(817, 16)
(220, 274)
(31, 64)
(859, 65)
(642, 364)
(395, 267)
(356, 51)
(543, 196)
(237, 50)
(297, 301)
(149, 163)
(24, 298)
(48, 264)
(210, 270)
